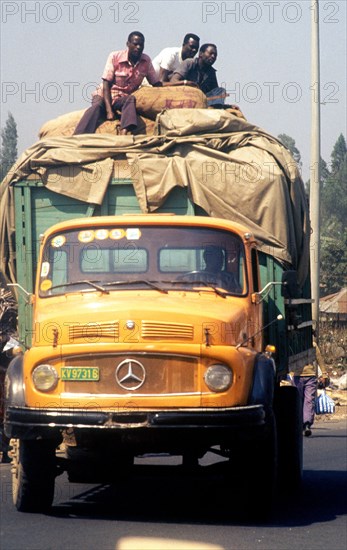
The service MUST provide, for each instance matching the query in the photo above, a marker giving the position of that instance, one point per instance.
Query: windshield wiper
(152, 284)
(204, 283)
(86, 282)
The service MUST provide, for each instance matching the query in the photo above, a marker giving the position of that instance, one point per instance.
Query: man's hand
(323, 381)
(108, 100)
(110, 115)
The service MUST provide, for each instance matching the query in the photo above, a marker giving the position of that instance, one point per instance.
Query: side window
(241, 275)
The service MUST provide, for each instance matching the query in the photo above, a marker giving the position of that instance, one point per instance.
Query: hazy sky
(53, 54)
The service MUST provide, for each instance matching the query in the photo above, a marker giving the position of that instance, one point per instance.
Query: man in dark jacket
(201, 72)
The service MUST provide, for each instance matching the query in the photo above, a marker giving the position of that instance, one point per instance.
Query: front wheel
(253, 472)
(33, 474)
(288, 411)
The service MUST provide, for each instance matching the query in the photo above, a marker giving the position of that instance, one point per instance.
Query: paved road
(157, 504)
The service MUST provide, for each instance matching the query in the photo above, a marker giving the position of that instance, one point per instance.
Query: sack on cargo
(151, 101)
(324, 404)
(65, 125)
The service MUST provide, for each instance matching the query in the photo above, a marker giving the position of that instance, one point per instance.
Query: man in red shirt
(123, 74)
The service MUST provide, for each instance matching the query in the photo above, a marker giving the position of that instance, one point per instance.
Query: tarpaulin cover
(232, 169)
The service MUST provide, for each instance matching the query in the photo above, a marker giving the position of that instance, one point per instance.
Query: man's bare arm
(178, 80)
(164, 74)
(106, 86)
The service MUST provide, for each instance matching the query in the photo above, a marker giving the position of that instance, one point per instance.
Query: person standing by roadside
(306, 380)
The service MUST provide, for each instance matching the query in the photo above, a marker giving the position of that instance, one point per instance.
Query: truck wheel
(253, 473)
(33, 475)
(288, 411)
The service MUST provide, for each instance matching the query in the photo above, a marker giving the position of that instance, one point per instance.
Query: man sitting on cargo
(123, 74)
(214, 259)
(167, 61)
(201, 72)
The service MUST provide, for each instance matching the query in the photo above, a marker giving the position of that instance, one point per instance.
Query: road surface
(159, 509)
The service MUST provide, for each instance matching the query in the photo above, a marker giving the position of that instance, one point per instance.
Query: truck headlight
(218, 378)
(45, 377)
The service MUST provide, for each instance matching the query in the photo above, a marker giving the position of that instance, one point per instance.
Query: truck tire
(253, 472)
(33, 475)
(288, 411)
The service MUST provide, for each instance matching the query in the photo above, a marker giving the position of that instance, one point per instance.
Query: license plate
(80, 373)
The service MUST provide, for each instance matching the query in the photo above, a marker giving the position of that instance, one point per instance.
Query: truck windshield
(164, 258)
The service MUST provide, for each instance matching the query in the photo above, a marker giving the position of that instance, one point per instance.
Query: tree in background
(8, 151)
(289, 142)
(333, 221)
(333, 228)
(338, 156)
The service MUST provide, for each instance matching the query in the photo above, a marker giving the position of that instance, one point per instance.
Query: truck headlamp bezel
(218, 377)
(45, 377)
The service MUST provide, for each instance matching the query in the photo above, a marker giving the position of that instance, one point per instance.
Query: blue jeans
(217, 96)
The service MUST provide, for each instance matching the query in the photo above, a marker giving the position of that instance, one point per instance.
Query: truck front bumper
(28, 423)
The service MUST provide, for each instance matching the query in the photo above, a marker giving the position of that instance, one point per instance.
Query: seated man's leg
(216, 97)
(127, 106)
(90, 120)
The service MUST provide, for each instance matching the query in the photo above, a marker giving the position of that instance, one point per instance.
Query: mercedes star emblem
(130, 374)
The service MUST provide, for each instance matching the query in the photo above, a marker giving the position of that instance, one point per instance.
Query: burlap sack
(151, 101)
(65, 125)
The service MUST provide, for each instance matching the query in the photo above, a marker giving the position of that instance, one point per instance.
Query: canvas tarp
(232, 169)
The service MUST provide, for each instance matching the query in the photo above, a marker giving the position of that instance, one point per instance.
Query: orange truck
(168, 332)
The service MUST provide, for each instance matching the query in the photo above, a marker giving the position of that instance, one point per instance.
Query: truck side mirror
(290, 288)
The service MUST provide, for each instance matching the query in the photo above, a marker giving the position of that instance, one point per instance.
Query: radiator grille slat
(94, 330)
(166, 330)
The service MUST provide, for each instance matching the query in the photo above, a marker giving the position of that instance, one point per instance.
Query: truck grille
(163, 374)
